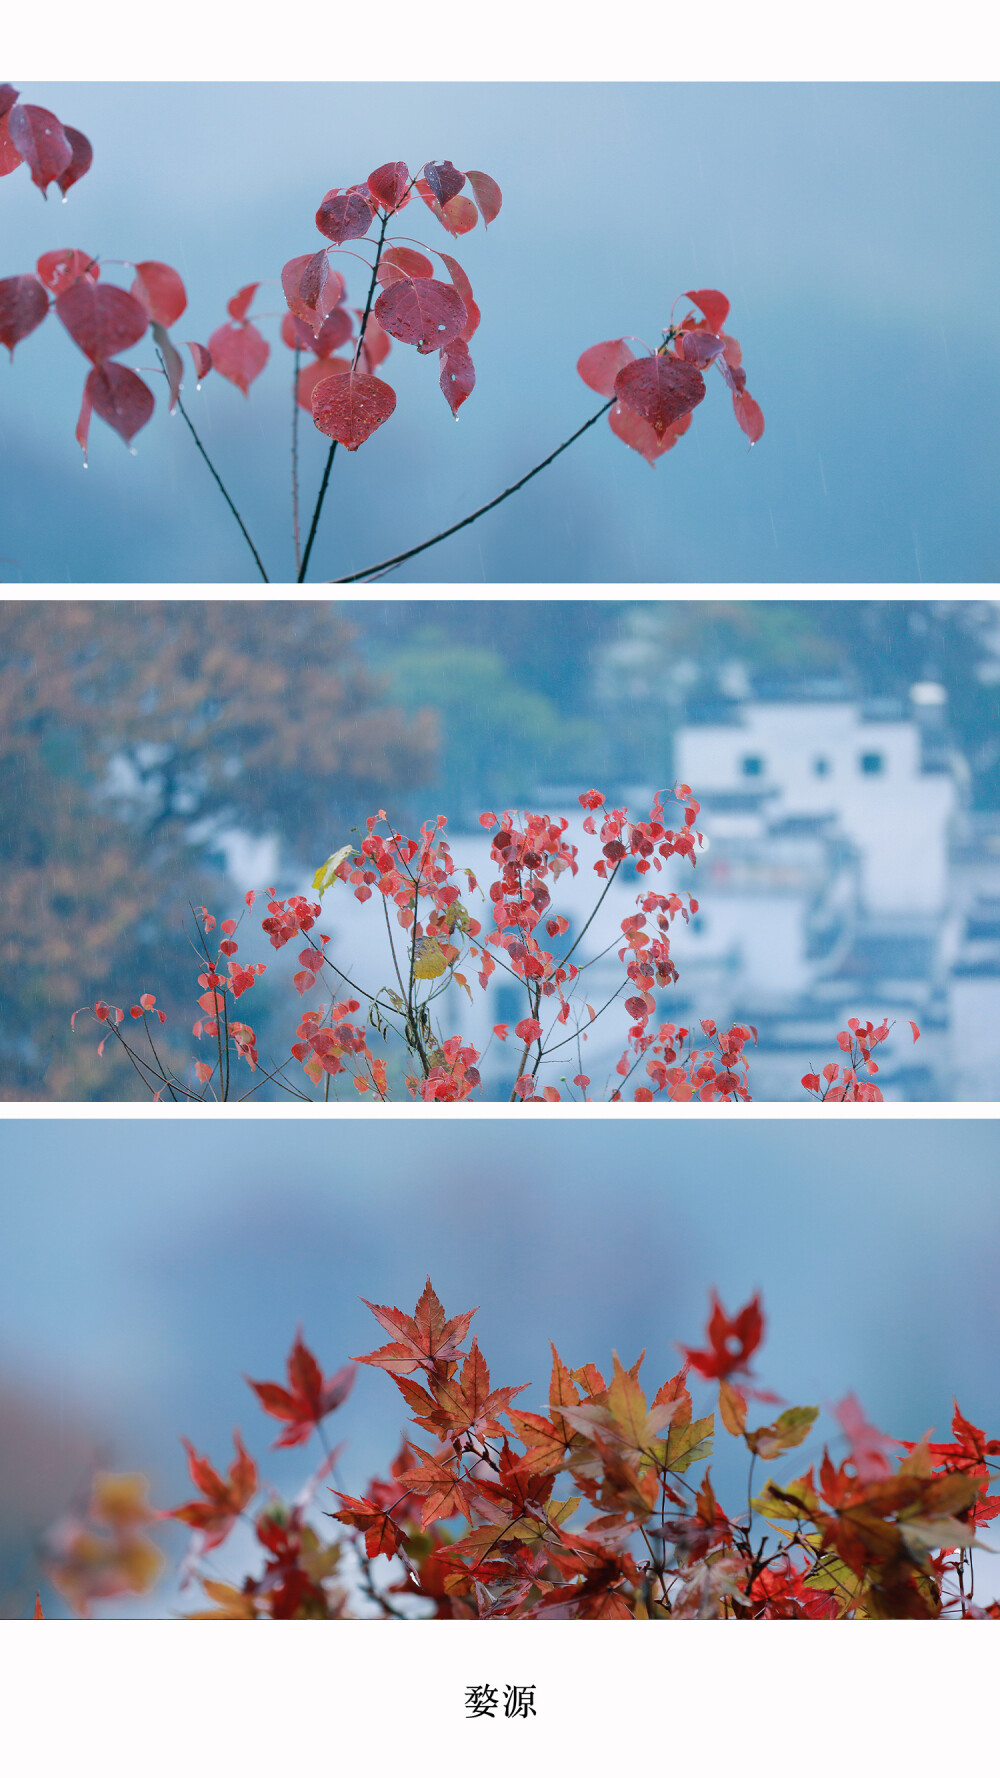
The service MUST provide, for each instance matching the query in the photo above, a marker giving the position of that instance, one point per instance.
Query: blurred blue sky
(142, 1274)
(854, 227)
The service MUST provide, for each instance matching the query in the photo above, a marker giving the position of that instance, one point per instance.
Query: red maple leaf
(223, 1501)
(426, 1340)
(732, 1340)
(309, 1397)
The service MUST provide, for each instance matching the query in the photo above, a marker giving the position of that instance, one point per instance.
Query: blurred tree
(131, 735)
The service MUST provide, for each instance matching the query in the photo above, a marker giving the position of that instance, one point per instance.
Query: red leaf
(444, 179)
(40, 139)
(311, 375)
(160, 290)
(8, 97)
(64, 266)
(639, 435)
(599, 365)
(699, 348)
(120, 398)
(216, 1514)
(311, 289)
(713, 305)
(239, 304)
(732, 1340)
(421, 312)
(403, 262)
(343, 216)
(350, 408)
(239, 353)
(660, 389)
(915, 1029)
(388, 184)
(308, 1398)
(464, 289)
(488, 195)
(335, 331)
(23, 307)
(102, 319)
(81, 162)
(10, 160)
(458, 376)
(201, 357)
(459, 215)
(748, 415)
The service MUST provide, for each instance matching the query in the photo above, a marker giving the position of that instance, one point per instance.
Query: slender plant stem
(295, 458)
(379, 568)
(333, 448)
(217, 477)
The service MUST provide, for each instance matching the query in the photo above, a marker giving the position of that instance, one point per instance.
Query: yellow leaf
(429, 960)
(326, 876)
(789, 1429)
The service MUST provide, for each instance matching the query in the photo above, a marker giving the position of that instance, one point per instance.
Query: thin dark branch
(216, 476)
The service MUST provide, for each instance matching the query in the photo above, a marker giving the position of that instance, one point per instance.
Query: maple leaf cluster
(444, 944)
(599, 1506)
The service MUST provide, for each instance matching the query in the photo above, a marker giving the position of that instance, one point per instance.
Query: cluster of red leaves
(347, 400)
(655, 395)
(842, 1084)
(444, 945)
(53, 153)
(587, 1509)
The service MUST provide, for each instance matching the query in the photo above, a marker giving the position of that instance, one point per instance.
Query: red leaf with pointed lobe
(309, 1397)
(344, 216)
(64, 266)
(660, 389)
(421, 312)
(350, 408)
(311, 375)
(458, 375)
(388, 184)
(39, 139)
(599, 365)
(732, 1340)
(223, 1501)
(464, 288)
(488, 195)
(713, 305)
(311, 289)
(160, 290)
(239, 353)
(102, 319)
(427, 1338)
(240, 303)
(201, 357)
(10, 160)
(83, 156)
(749, 416)
(403, 262)
(23, 307)
(444, 179)
(639, 435)
(120, 398)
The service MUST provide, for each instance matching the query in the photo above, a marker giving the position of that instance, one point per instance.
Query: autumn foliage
(443, 944)
(597, 1503)
(417, 295)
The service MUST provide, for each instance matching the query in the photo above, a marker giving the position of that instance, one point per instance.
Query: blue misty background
(854, 227)
(140, 1279)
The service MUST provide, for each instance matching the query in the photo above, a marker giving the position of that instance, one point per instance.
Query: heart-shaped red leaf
(660, 389)
(421, 312)
(488, 195)
(160, 290)
(102, 319)
(599, 365)
(638, 434)
(40, 140)
(388, 184)
(81, 162)
(444, 179)
(344, 216)
(312, 290)
(120, 398)
(713, 305)
(23, 307)
(335, 331)
(459, 215)
(64, 266)
(239, 353)
(350, 408)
